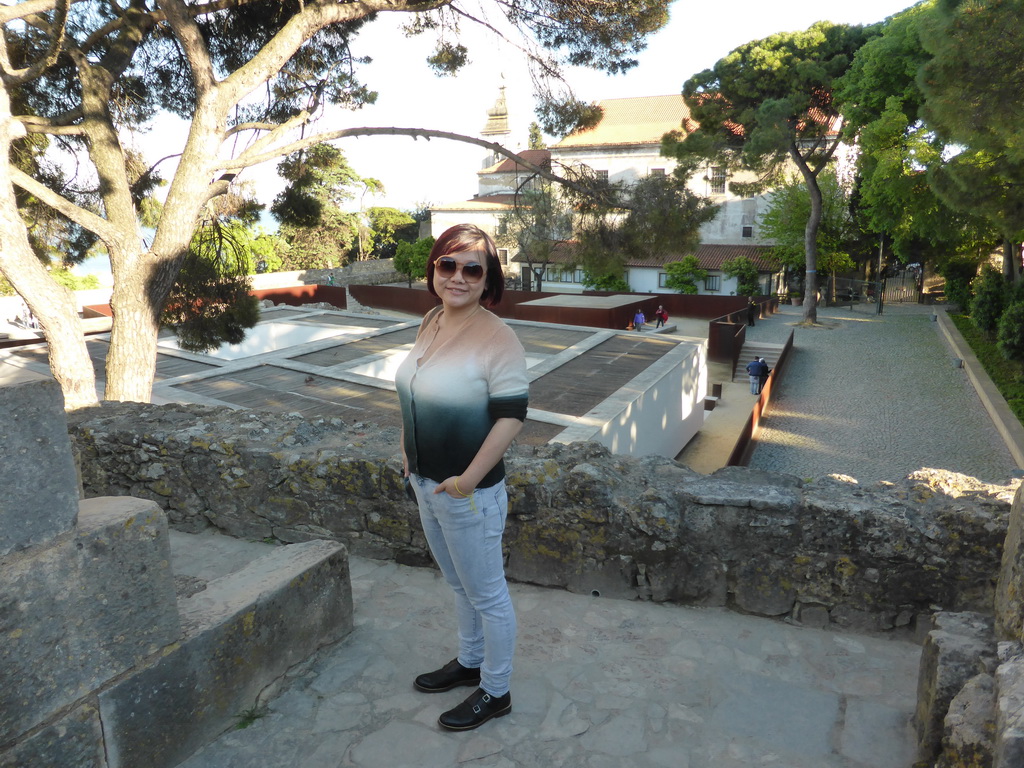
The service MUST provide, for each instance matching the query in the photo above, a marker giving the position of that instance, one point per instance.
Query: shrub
(1005, 374)
(990, 298)
(959, 272)
(1011, 332)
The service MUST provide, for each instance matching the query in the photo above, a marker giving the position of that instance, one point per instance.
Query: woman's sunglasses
(446, 266)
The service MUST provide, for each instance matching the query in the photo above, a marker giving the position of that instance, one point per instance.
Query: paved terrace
(604, 683)
(874, 397)
(343, 373)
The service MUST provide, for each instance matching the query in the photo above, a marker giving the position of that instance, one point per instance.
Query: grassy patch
(250, 716)
(1005, 374)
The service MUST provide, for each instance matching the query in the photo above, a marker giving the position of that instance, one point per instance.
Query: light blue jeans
(465, 539)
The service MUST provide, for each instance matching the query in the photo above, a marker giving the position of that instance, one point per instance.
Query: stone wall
(368, 272)
(103, 664)
(816, 552)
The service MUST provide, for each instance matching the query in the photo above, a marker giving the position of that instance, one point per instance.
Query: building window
(662, 277)
(718, 180)
(657, 171)
(713, 283)
(602, 176)
(503, 256)
(748, 231)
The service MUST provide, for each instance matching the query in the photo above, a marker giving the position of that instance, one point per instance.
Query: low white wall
(657, 413)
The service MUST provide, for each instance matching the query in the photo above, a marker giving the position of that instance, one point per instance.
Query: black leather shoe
(451, 675)
(476, 710)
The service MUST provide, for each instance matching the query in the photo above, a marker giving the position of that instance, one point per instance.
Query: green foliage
(74, 282)
(318, 231)
(929, 211)
(251, 715)
(448, 58)
(536, 140)
(766, 94)
(768, 103)
(959, 273)
(265, 252)
(683, 275)
(664, 218)
(743, 269)
(320, 182)
(539, 222)
(411, 258)
(389, 226)
(210, 303)
(966, 97)
(604, 282)
(1008, 376)
(1011, 332)
(785, 221)
(965, 103)
(990, 298)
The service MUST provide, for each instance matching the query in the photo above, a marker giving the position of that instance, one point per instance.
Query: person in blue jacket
(754, 372)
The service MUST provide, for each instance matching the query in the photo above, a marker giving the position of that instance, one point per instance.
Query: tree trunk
(51, 303)
(1011, 268)
(810, 238)
(131, 359)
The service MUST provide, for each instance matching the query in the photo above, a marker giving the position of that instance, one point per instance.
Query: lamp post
(881, 284)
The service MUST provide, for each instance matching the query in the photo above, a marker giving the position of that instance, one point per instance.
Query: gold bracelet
(459, 490)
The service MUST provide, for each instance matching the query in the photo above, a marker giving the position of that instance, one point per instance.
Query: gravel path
(874, 397)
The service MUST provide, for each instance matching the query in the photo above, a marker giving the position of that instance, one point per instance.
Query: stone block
(37, 471)
(813, 615)
(759, 586)
(77, 614)
(1010, 588)
(74, 741)
(960, 646)
(1009, 747)
(969, 725)
(241, 633)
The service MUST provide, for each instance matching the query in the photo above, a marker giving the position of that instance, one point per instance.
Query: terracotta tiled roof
(713, 256)
(638, 120)
(562, 254)
(708, 257)
(488, 203)
(541, 157)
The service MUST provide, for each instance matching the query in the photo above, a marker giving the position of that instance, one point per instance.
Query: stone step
(249, 612)
(770, 353)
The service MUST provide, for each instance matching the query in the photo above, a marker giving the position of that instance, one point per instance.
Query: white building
(623, 148)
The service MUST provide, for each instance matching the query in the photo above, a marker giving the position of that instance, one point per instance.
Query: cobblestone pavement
(874, 397)
(599, 683)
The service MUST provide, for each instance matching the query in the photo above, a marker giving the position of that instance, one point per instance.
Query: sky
(415, 172)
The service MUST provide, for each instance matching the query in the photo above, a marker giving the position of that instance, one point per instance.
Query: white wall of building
(656, 414)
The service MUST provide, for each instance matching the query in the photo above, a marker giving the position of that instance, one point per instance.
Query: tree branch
(86, 219)
(246, 160)
(193, 46)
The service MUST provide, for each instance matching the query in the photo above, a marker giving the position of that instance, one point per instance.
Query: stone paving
(874, 397)
(602, 683)
(599, 683)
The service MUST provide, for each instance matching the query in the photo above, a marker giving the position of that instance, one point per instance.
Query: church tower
(497, 129)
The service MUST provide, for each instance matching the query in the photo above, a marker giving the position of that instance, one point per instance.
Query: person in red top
(660, 316)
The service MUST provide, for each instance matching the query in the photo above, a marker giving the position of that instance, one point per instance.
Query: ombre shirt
(451, 401)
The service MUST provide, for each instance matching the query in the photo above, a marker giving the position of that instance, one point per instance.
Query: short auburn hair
(468, 237)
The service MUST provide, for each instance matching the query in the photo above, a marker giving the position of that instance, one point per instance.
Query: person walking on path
(639, 320)
(463, 392)
(660, 316)
(754, 372)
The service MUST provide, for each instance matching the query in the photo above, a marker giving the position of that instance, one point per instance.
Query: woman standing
(463, 390)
